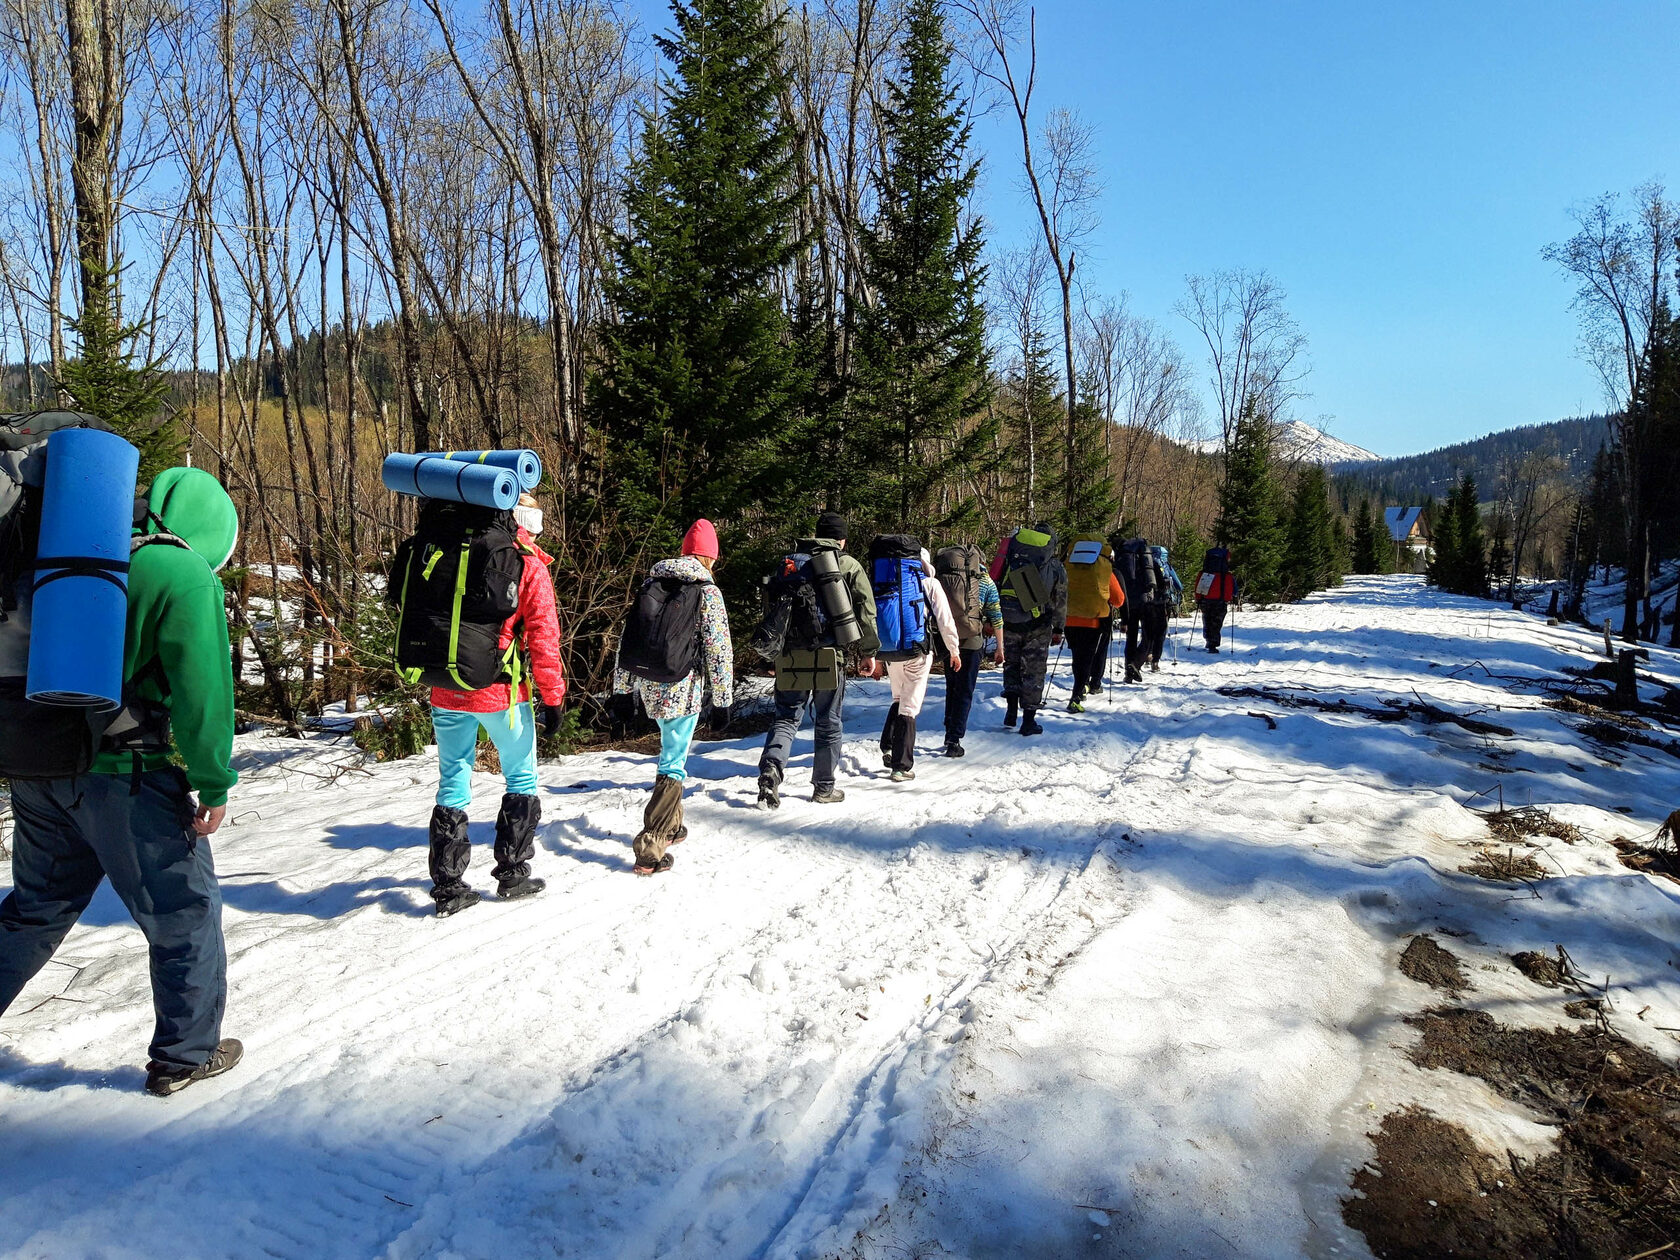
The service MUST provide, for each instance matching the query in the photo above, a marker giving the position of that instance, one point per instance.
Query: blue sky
(1397, 167)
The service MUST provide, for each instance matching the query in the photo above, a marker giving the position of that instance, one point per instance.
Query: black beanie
(831, 525)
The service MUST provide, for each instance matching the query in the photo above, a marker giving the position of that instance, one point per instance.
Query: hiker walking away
(503, 710)
(1169, 590)
(1216, 591)
(819, 610)
(1033, 594)
(132, 816)
(975, 613)
(909, 603)
(1137, 578)
(676, 646)
(1094, 596)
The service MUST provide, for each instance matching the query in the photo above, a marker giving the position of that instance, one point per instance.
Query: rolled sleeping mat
(434, 477)
(79, 611)
(524, 464)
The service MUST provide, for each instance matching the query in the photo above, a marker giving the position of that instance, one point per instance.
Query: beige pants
(909, 681)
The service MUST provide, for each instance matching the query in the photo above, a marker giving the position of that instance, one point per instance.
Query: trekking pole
(1190, 639)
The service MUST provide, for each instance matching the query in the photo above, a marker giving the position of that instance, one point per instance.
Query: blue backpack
(901, 612)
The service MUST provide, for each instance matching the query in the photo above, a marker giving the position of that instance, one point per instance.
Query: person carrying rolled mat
(812, 675)
(1094, 596)
(458, 716)
(133, 819)
(909, 677)
(1032, 589)
(679, 621)
(1169, 590)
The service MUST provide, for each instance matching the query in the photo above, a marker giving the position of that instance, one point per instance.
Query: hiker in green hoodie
(134, 818)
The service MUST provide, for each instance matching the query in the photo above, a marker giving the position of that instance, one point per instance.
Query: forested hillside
(1416, 478)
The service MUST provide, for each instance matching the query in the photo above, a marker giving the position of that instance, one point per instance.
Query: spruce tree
(107, 379)
(1094, 501)
(1364, 557)
(1472, 569)
(1444, 562)
(1309, 557)
(1248, 507)
(1499, 552)
(1031, 420)
(699, 393)
(922, 377)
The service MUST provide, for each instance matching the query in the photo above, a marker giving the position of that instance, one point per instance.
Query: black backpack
(1217, 560)
(793, 615)
(455, 583)
(1137, 572)
(661, 641)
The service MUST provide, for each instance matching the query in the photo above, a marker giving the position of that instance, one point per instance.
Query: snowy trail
(1125, 989)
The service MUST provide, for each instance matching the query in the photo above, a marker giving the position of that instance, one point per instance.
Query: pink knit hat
(701, 540)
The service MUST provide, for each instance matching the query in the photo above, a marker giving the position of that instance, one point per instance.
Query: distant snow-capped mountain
(1298, 440)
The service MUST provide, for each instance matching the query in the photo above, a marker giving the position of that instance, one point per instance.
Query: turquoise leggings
(675, 735)
(514, 735)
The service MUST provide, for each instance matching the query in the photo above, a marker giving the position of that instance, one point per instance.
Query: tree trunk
(96, 113)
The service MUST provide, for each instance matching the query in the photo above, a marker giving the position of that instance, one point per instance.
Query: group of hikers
(142, 810)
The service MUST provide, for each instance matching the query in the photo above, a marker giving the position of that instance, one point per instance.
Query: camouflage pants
(1026, 657)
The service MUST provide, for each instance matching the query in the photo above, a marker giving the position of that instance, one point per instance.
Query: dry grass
(1515, 826)
(1509, 867)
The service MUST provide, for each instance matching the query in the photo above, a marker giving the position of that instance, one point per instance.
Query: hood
(528, 543)
(1045, 538)
(192, 505)
(808, 545)
(688, 568)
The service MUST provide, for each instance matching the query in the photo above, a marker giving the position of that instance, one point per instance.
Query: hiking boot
(769, 791)
(455, 900)
(656, 868)
(1154, 667)
(513, 890)
(828, 796)
(1030, 726)
(1075, 707)
(1213, 649)
(1009, 715)
(903, 776)
(165, 1079)
(953, 748)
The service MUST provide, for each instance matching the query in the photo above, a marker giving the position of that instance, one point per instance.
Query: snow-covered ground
(1127, 989)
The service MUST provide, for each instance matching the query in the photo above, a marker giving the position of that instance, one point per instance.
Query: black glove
(720, 717)
(548, 720)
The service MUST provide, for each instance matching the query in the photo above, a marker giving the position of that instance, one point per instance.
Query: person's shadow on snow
(22, 1073)
(568, 838)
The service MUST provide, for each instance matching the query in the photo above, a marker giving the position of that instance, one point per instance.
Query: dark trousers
(1088, 646)
(1154, 631)
(1135, 652)
(959, 695)
(71, 833)
(1026, 659)
(898, 740)
(827, 726)
(1213, 620)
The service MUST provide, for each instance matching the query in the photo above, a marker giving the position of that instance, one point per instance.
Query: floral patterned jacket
(717, 655)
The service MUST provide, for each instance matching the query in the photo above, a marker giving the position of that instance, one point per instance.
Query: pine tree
(1472, 570)
(1094, 500)
(1444, 563)
(1499, 553)
(1364, 557)
(1248, 506)
(108, 380)
(1032, 417)
(922, 372)
(1309, 556)
(700, 392)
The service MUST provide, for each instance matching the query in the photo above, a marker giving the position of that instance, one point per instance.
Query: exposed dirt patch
(1427, 963)
(1514, 826)
(1509, 867)
(1543, 969)
(1585, 708)
(1610, 1189)
(1584, 1008)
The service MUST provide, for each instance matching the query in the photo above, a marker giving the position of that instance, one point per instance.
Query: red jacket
(1222, 590)
(537, 623)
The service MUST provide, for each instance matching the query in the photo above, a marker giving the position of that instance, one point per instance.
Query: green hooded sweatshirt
(177, 621)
